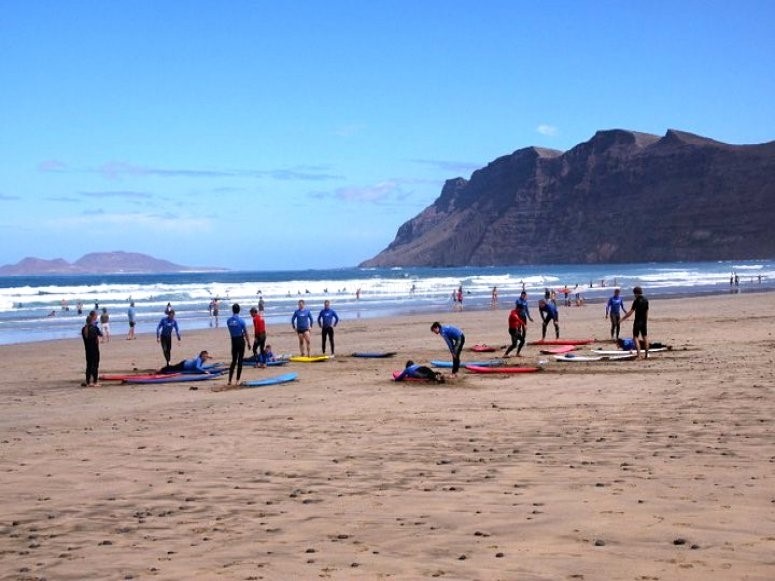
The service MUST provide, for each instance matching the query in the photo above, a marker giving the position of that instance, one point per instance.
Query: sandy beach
(654, 469)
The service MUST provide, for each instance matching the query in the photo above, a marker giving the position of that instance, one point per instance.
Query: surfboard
(273, 363)
(276, 380)
(621, 352)
(477, 369)
(374, 355)
(572, 358)
(313, 359)
(558, 350)
(562, 342)
(125, 376)
(175, 378)
(484, 349)
(491, 363)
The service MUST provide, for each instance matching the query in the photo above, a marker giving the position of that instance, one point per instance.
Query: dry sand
(658, 469)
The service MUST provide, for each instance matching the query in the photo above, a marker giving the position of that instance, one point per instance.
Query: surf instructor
(454, 338)
(164, 331)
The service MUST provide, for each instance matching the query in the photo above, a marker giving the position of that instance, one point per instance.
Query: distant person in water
(130, 314)
(302, 321)
(516, 332)
(105, 324)
(238, 331)
(327, 320)
(549, 314)
(454, 338)
(193, 365)
(90, 333)
(640, 308)
(164, 331)
(613, 310)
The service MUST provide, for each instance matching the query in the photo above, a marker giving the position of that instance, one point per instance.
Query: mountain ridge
(116, 262)
(621, 196)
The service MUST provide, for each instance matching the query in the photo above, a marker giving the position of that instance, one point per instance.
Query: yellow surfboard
(314, 359)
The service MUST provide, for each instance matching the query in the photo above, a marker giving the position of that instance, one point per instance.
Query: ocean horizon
(44, 307)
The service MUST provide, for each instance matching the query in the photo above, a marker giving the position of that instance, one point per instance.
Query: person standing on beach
(516, 332)
(130, 314)
(640, 307)
(494, 298)
(91, 343)
(524, 312)
(613, 309)
(302, 321)
(327, 320)
(164, 331)
(454, 338)
(105, 325)
(548, 314)
(238, 331)
(259, 336)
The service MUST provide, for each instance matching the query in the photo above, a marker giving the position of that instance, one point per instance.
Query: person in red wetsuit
(516, 331)
(259, 338)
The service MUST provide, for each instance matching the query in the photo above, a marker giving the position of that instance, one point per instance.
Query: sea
(41, 308)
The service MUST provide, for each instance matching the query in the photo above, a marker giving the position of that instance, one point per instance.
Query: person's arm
(336, 318)
(320, 319)
(293, 319)
(158, 329)
(631, 311)
(311, 320)
(607, 308)
(177, 329)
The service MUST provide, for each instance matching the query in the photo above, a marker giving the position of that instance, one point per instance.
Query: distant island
(620, 197)
(99, 263)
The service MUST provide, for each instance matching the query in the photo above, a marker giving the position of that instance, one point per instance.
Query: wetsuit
(259, 339)
(238, 331)
(455, 340)
(516, 331)
(549, 314)
(640, 324)
(301, 320)
(327, 320)
(419, 372)
(91, 343)
(524, 313)
(164, 334)
(614, 308)
(191, 365)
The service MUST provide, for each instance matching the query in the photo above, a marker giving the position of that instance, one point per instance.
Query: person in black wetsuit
(91, 342)
(640, 307)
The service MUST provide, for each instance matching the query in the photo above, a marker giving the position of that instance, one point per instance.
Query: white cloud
(101, 220)
(548, 130)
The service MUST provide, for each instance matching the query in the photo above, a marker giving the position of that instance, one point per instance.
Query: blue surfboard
(277, 379)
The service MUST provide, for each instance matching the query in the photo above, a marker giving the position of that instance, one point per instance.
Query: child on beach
(614, 308)
(422, 372)
(516, 332)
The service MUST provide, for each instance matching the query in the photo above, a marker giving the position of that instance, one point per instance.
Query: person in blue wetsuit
(549, 314)
(454, 338)
(327, 320)
(421, 372)
(238, 331)
(524, 313)
(613, 309)
(193, 365)
(302, 321)
(164, 334)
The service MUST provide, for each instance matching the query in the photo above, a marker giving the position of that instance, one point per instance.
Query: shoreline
(658, 468)
(368, 312)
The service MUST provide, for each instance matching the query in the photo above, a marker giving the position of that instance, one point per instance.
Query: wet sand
(651, 469)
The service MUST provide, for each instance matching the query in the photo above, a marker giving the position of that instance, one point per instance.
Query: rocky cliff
(622, 196)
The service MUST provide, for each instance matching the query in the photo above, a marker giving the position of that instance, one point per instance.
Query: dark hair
(637, 291)
(435, 325)
(409, 363)
(253, 310)
(235, 308)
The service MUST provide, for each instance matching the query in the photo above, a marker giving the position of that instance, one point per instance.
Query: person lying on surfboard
(195, 364)
(415, 371)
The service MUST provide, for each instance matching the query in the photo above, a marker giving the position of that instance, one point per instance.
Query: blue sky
(282, 135)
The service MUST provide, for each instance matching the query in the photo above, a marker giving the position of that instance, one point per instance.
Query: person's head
(104, 309)
(436, 327)
(171, 314)
(204, 355)
(523, 295)
(637, 291)
(91, 316)
(132, 304)
(542, 303)
(253, 311)
(409, 363)
(326, 303)
(267, 347)
(235, 308)
(616, 291)
(301, 303)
